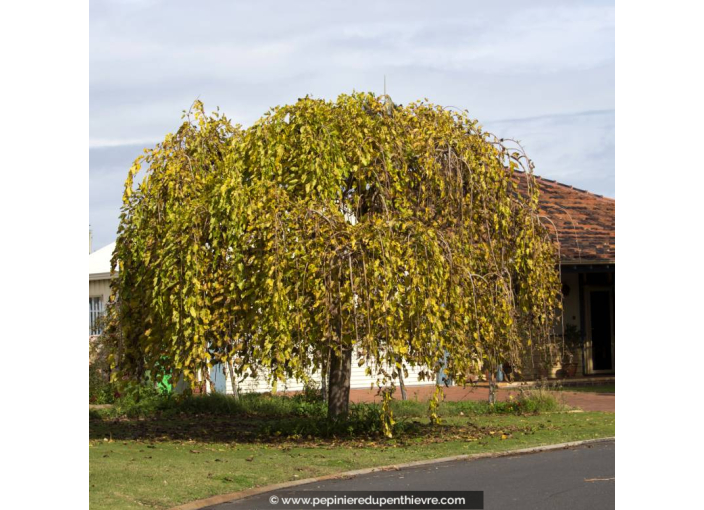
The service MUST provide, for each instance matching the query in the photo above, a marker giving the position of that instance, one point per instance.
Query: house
(98, 286)
(582, 224)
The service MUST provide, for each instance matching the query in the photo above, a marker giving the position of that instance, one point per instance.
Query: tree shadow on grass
(308, 431)
(199, 428)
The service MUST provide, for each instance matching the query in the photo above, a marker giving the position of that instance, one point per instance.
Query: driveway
(579, 478)
(585, 401)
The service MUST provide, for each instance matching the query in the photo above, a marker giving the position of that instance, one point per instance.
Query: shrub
(137, 400)
(539, 399)
(527, 402)
(361, 420)
(408, 408)
(100, 390)
(144, 401)
(305, 413)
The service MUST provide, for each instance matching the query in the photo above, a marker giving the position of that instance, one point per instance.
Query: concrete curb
(234, 496)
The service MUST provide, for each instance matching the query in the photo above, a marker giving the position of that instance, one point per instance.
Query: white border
(44, 208)
(660, 185)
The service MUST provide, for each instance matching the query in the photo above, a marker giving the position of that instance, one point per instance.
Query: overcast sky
(538, 71)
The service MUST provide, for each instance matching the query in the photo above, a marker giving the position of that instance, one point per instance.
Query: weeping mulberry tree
(330, 227)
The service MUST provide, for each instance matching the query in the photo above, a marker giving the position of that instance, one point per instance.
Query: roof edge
(568, 186)
(101, 276)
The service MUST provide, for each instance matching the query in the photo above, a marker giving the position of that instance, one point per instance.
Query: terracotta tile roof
(585, 222)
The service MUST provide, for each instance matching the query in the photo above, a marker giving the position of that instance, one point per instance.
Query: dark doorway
(601, 329)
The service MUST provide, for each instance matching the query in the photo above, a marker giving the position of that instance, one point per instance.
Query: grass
(147, 403)
(595, 388)
(177, 450)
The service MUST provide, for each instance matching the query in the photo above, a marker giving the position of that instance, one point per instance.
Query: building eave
(594, 262)
(101, 276)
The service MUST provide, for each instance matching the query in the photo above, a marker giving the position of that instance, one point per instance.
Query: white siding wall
(358, 379)
(99, 288)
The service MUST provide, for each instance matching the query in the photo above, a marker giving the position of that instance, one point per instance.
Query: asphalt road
(580, 478)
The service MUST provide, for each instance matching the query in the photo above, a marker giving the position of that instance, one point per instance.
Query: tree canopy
(326, 227)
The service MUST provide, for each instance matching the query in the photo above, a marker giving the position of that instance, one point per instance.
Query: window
(95, 311)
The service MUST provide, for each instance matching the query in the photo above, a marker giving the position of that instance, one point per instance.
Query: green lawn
(160, 463)
(596, 388)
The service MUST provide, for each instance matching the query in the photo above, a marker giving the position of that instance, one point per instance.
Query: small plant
(311, 392)
(573, 341)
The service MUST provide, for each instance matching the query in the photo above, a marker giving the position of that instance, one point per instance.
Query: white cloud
(576, 149)
(508, 59)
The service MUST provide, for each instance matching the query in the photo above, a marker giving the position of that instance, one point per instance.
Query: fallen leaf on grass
(250, 459)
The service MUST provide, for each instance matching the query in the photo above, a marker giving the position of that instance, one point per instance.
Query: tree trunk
(233, 379)
(324, 378)
(340, 369)
(207, 383)
(492, 389)
(401, 382)
(324, 385)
